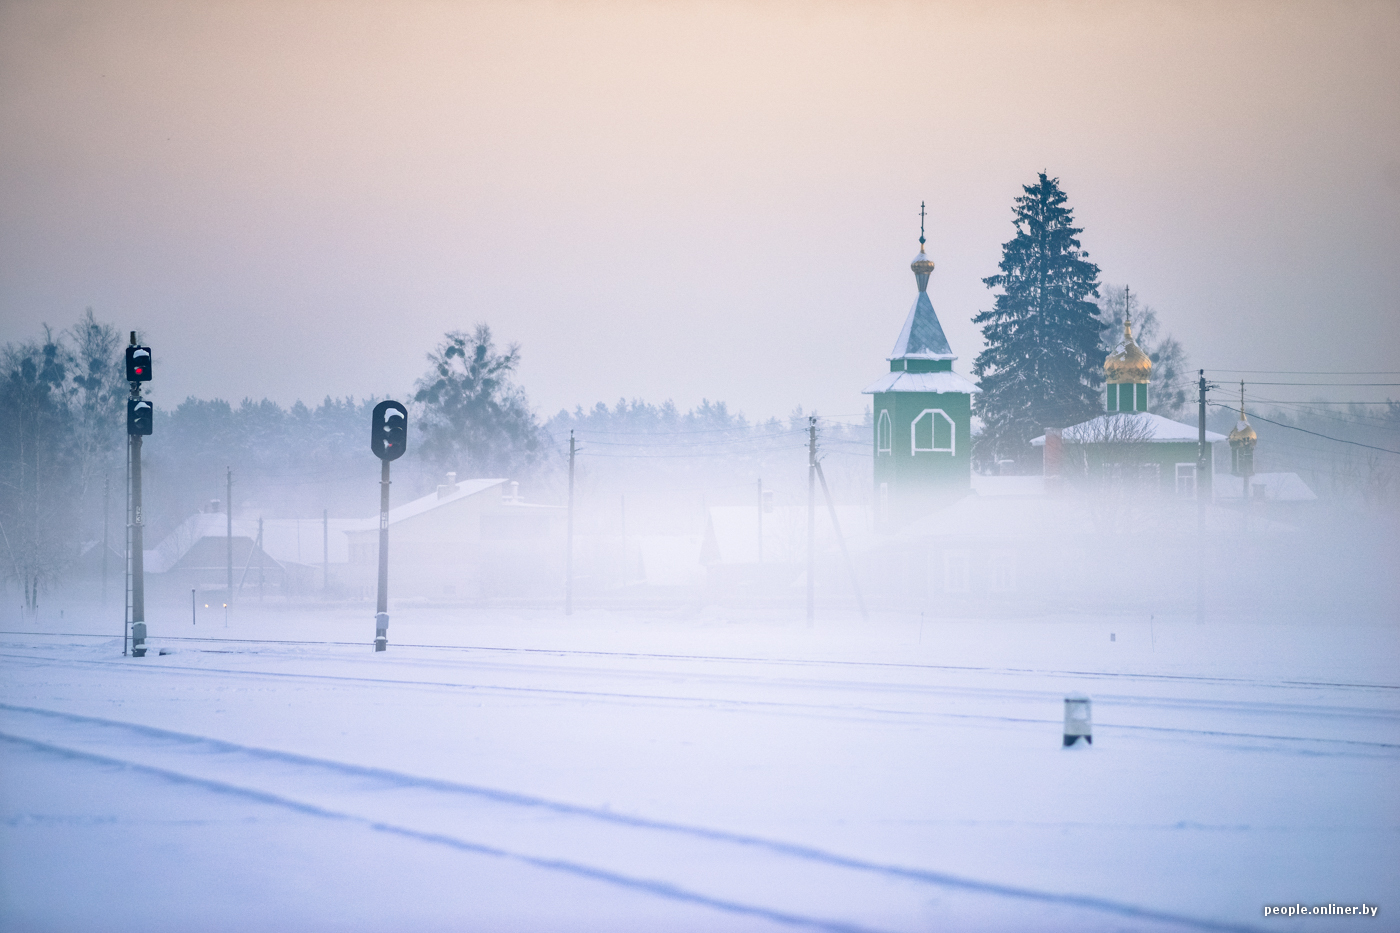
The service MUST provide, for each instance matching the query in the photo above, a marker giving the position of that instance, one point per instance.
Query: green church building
(923, 417)
(1129, 445)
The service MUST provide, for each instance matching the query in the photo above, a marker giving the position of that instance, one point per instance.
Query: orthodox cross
(921, 226)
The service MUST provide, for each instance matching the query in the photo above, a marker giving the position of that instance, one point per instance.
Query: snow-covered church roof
(921, 382)
(922, 337)
(1145, 428)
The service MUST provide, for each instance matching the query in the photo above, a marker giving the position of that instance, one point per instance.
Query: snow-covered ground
(695, 770)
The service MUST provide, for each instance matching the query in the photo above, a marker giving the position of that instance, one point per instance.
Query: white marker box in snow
(1079, 723)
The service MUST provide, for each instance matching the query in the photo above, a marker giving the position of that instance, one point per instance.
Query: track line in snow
(845, 711)
(656, 888)
(287, 779)
(868, 686)
(740, 659)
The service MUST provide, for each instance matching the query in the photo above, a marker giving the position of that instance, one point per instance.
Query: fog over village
(737, 466)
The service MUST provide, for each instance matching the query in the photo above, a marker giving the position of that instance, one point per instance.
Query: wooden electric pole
(811, 519)
(1202, 489)
(760, 520)
(228, 536)
(569, 544)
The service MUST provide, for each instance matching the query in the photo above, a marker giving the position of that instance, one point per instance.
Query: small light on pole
(1079, 722)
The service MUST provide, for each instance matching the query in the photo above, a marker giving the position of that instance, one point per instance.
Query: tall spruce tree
(1043, 363)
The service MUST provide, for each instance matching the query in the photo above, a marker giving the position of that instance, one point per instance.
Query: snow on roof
(1158, 430)
(1278, 487)
(921, 382)
(922, 337)
(465, 488)
(285, 540)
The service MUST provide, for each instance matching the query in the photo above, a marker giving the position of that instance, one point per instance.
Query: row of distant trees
(63, 469)
(62, 477)
(62, 414)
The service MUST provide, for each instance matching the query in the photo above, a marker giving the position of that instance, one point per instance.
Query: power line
(1311, 372)
(1339, 440)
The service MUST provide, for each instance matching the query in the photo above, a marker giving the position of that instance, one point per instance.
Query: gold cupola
(1242, 441)
(1127, 362)
(1127, 370)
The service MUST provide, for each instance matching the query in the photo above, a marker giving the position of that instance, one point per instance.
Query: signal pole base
(381, 631)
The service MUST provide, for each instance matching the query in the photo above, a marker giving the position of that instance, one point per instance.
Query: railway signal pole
(140, 418)
(388, 441)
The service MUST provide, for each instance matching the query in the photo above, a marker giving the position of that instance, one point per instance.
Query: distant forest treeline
(62, 470)
(62, 476)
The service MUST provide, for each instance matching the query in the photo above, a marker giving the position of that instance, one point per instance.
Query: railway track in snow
(1392, 689)
(1365, 720)
(797, 885)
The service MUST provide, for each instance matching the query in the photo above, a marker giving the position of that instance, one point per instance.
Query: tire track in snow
(747, 869)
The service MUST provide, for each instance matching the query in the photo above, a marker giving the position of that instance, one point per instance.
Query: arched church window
(932, 432)
(884, 433)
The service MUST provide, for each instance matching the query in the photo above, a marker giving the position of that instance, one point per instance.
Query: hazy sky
(684, 200)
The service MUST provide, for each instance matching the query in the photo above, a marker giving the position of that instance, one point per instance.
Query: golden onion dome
(921, 265)
(1243, 433)
(1127, 362)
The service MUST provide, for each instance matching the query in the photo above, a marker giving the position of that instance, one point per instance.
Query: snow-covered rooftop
(922, 337)
(1154, 430)
(921, 382)
(465, 488)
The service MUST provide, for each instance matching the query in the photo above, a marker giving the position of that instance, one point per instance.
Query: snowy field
(695, 770)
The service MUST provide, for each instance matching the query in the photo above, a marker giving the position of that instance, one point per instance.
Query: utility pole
(760, 519)
(626, 574)
(569, 543)
(811, 519)
(228, 537)
(260, 559)
(1202, 463)
(106, 512)
(325, 551)
(841, 540)
(1244, 454)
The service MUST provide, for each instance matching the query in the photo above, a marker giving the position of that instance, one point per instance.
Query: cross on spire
(922, 213)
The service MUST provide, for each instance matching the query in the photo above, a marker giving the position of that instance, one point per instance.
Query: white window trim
(952, 447)
(884, 428)
(1195, 480)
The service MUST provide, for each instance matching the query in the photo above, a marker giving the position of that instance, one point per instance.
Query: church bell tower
(923, 416)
